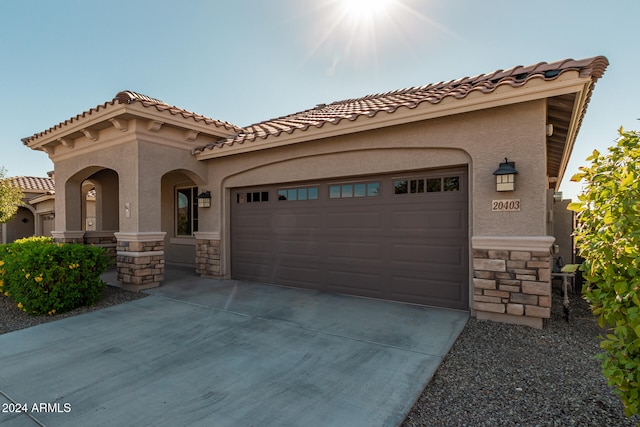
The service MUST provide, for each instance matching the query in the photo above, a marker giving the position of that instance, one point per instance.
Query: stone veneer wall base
(512, 279)
(208, 254)
(534, 322)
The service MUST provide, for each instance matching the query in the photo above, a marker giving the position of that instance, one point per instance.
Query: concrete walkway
(206, 352)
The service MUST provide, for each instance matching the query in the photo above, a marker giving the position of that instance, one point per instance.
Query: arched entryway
(91, 206)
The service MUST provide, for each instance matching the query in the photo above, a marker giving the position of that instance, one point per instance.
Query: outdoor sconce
(204, 199)
(506, 176)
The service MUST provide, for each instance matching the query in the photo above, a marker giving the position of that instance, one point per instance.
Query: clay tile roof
(60, 125)
(411, 98)
(129, 97)
(33, 183)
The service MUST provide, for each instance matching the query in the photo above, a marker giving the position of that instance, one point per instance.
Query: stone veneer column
(68, 236)
(102, 239)
(140, 260)
(208, 253)
(512, 279)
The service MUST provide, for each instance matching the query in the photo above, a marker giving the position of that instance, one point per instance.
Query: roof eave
(110, 113)
(42, 198)
(577, 116)
(58, 133)
(568, 82)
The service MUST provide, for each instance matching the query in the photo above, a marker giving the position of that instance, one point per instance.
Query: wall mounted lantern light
(204, 199)
(506, 176)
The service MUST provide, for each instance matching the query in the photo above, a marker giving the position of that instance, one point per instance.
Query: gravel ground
(508, 375)
(495, 374)
(11, 318)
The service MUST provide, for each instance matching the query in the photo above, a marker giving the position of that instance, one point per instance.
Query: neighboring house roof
(44, 186)
(410, 98)
(33, 184)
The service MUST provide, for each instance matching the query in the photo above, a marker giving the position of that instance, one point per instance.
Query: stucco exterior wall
(139, 161)
(45, 206)
(118, 153)
(21, 225)
(479, 139)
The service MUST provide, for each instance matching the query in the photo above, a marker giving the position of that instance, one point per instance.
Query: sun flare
(349, 34)
(366, 9)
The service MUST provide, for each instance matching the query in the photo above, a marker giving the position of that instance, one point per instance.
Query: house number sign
(512, 205)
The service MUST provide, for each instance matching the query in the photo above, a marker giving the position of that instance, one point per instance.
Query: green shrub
(608, 237)
(43, 277)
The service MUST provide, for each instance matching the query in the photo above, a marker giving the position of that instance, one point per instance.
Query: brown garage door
(401, 237)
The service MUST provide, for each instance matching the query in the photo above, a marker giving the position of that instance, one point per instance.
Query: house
(35, 215)
(391, 196)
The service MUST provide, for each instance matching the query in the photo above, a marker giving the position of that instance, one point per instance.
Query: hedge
(44, 277)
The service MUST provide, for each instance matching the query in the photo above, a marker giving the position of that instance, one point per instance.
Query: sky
(245, 61)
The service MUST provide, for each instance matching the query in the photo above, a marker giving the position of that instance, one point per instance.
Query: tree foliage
(10, 198)
(608, 237)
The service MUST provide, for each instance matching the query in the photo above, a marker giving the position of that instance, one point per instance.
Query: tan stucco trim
(569, 82)
(140, 254)
(513, 243)
(206, 235)
(41, 199)
(141, 236)
(187, 241)
(68, 234)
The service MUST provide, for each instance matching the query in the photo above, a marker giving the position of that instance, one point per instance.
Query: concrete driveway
(205, 352)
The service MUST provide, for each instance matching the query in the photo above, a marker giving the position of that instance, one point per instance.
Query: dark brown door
(402, 237)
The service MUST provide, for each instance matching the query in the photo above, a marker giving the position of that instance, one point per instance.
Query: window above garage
(356, 189)
(426, 185)
(253, 197)
(298, 194)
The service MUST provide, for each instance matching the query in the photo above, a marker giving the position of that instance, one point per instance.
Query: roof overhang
(42, 198)
(536, 89)
(118, 114)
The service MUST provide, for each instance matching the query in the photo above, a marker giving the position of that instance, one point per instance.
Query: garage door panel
(354, 250)
(429, 293)
(253, 245)
(437, 285)
(354, 221)
(420, 255)
(287, 222)
(254, 269)
(434, 222)
(254, 221)
(297, 275)
(406, 247)
(296, 247)
(354, 282)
